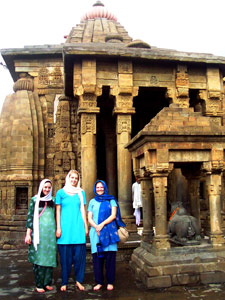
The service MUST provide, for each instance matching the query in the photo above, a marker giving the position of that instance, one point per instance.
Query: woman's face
(99, 188)
(74, 178)
(46, 189)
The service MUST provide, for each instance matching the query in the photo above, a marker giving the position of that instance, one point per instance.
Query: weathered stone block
(212, 277)
(185, 279)
(158, 282)
(153, 271)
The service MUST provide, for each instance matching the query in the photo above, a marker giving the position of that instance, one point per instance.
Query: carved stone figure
(184, 229)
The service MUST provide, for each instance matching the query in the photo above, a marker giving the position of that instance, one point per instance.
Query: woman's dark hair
(49, 203)
(42, 194)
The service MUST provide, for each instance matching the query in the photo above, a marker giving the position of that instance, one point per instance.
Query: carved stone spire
(25, 82)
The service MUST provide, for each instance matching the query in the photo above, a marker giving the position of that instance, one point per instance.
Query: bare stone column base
(189, 265)
(161, 242)
(130, 223)
(217, 240)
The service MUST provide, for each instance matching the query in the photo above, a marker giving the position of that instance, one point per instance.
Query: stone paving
(17, 282)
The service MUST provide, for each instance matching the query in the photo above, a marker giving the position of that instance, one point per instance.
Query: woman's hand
(86, 230)
(99, 227)
(58, 232)
(28, 236)
(28, 239)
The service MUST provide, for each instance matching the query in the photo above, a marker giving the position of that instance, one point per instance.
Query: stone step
(20, 218)
(21, 211)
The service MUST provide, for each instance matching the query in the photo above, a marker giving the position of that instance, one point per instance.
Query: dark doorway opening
(147, 104)
(21, 197)
(106, 141)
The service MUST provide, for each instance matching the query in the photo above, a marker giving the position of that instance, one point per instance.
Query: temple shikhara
(115, 108)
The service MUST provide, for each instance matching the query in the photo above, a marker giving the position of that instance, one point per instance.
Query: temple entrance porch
(113, 128)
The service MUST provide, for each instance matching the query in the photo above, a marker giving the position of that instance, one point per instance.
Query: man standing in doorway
(137, 200)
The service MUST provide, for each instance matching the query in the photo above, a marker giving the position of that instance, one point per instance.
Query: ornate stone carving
(51, 132)
(182, 80)
(153, 80)
(88, 123)
(216, 95)
(182, 86)
(88, 100)
(48, 77)
(213, 107)
(206, 167)
(182, 92)
(57, 77)
(124, 101)
(212, 102)
(43, 76)
(124, 124)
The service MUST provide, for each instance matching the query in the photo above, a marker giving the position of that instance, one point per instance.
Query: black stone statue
(183, 229)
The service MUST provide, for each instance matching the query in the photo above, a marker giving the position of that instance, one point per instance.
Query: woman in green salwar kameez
(41, 236)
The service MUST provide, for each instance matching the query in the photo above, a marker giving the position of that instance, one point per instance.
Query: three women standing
(41, 236)
(104, 216)
(72, 229)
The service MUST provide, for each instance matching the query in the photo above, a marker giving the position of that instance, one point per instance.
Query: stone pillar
(160, 240)
(64, 159)
(182, 86)
(147, 197)
(124, 164)
(88, 110)
(213, 96)
(123, 109)
(214, 177)
(214, 190)
(85, 87)
(193, 177)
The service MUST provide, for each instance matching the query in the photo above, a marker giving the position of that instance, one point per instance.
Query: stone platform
(179, 266)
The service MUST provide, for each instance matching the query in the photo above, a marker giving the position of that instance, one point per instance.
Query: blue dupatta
(109, 234)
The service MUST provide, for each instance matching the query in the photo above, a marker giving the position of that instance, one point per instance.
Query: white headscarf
(70, 189)
(36, 210)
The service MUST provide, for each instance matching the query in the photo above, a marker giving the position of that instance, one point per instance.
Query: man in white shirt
(137, 200)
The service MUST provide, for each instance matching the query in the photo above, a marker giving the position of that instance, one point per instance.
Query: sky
(183, 25)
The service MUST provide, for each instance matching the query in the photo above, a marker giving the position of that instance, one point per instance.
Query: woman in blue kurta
(40, 236)
(103, 210)
(71, 229)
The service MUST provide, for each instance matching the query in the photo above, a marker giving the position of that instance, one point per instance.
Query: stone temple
(113, 107)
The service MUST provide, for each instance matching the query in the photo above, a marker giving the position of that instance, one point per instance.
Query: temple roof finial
(99, 11)
(98, 3)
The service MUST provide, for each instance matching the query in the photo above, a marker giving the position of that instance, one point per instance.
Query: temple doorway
(147, 104)
(21, 198)
(106, 141)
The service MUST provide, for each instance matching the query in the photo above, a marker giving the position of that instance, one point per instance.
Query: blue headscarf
(108, 235)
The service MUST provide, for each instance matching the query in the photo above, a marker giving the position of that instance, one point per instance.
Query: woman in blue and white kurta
(71, 229)
(103, 210)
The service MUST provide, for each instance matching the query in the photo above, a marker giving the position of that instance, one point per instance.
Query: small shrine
(180, 142)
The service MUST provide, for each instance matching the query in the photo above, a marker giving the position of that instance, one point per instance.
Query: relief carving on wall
(124, 101)
(49, 76)
(88, 123)
(88, 100)
(212, 102)
(182, 87)
(153, 80)
(182, 79)
(123, 124)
